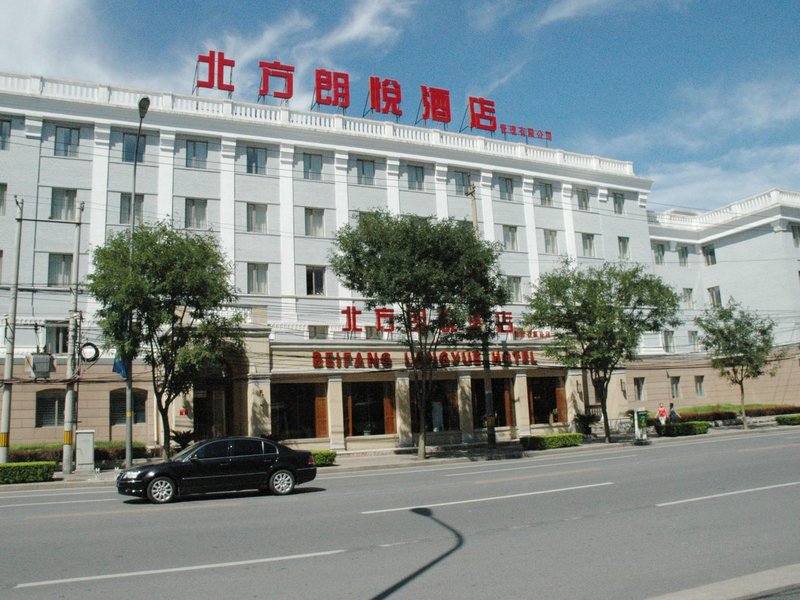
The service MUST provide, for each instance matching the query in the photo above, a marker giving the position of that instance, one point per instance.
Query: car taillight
(310, 460)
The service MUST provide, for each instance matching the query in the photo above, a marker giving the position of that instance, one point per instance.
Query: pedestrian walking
(662, 413)
(673, 414)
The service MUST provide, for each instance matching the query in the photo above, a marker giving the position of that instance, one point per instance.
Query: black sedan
(220, 465)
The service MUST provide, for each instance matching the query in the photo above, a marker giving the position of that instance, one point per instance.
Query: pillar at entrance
(465, 408)
(335, 414)
(521, 411)
(402, 398)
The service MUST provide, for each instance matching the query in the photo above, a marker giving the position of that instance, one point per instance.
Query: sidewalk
(348, 462)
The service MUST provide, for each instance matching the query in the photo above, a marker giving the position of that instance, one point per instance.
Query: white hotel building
(274, 184)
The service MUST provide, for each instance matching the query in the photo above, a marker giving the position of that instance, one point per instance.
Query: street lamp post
(144, 104)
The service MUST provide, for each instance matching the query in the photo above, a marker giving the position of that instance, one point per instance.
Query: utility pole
(488, 395)
(10, 331)
(69, 400)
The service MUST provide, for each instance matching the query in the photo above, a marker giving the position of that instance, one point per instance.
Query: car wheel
(281, 482)
(161, 490)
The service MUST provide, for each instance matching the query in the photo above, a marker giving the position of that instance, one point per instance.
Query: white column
(393, 185)
(166, 174)
(569, 222)
(336, 431)
(487, 212)
(227, 196)
(342, 203)
(98, 201)
(440, 185)
(530, 228)
(286, 187)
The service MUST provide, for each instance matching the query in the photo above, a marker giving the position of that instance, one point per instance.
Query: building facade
(273, 185)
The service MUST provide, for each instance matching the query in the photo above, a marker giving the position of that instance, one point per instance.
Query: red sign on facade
(215, 78)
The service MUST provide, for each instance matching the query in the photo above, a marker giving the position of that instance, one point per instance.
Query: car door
(210, 468)
(249, 463)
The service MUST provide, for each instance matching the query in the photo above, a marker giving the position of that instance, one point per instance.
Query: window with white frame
(587, 244)
(550, 241)
(256, 218)
(688, 298)
(658, 253)
(56, 337)
(506, 187)
(117, 406)
(416, 177)
(5, 133)
(675, 387)
(312, 166)
(125, 209)
(668, 338)
(510, 238)
(461, 182)
(796, 235)
(583, 198)
(196, 154)
(365, 171)
(638, 388)
(62, 204)
(256, 160)
(256, 278)
(515, 288)
(317, 332)
(371, 332)
(67, 140)
(624, 246)
(546, 194)
(315, 222)
(698, 386)
(129, 147)
(619, 203)
(315, 281)
(683, 256)
(59, 269)
(709, 255)
(694, 341)
(50, 408)
(714, 296)
(195, 216)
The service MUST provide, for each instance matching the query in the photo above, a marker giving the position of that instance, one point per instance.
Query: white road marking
(58, 502)
(568, 462)
(712, 496)
(488, 499)
(46, 494)
(239, 563)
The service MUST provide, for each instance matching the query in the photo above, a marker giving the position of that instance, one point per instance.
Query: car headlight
(134, 474)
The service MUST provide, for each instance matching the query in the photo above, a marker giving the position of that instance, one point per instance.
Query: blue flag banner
(119, 366)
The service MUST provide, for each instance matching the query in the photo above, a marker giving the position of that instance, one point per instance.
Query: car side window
(247, 447)
(213, 450)
(270, 448)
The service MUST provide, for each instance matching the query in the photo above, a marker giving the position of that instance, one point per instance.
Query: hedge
(103, 452)
(324, 458)
(788, 419)
(553, 440)
(27, 472)
(682, 428)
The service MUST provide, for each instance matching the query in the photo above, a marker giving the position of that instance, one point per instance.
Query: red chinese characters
(385, 96)
(352, 314)
(435, 104)
(332, 88)
(216, 62)
(481, 114)
(526, 132)
(277, 70)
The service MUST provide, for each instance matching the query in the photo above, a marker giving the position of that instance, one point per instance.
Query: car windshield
(186, 451)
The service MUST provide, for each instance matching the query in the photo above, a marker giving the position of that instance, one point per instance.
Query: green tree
(435, 273)
(740, 344)
(598, 316)
(172, 287)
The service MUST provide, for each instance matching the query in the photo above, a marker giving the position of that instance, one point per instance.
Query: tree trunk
(601, 392)
(741, 398)
(421, 409)
(165, 429)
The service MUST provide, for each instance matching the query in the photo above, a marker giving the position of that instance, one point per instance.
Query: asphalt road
(601, 522)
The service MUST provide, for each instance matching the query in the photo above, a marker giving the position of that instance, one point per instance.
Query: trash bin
(640, 424)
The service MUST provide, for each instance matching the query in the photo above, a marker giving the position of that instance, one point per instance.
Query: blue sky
(702, 96)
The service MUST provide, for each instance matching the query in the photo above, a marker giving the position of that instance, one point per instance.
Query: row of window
(675, 387)
(50, 407)
(709, 254)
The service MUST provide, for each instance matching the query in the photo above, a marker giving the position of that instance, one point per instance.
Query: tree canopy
(598, 316)
(172, 286)
(436, 273)
(740, 344)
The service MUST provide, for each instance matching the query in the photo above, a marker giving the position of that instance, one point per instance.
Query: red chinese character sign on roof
(481, 114)
(385, 96)
(435, 104)
(215, 78)
(332, 88)
(279, 71)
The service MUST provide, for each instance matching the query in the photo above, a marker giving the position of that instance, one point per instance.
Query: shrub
(182, 438)
(27, 472)
(103, 452)
(324, 458)
(553, 440)
(682, 428)
(788, 419)
(584, 422)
